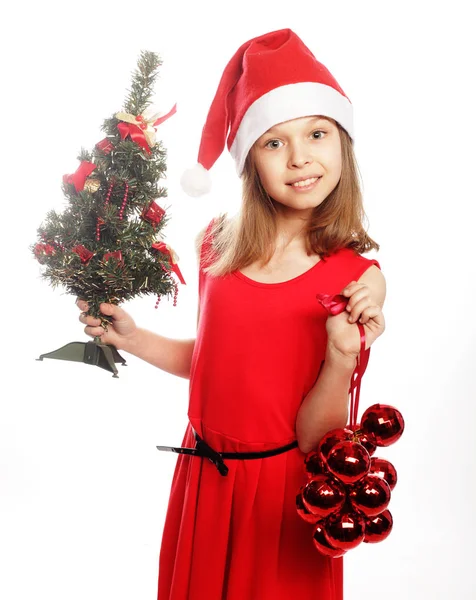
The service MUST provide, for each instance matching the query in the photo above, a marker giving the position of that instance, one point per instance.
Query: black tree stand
(90, 353)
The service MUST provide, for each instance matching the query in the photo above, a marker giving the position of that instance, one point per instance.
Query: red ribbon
(334, 306)
(79, 177)
(167, 116)
(137, 135)
(162, 247)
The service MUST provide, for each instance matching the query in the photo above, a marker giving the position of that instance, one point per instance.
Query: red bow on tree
(166, 249)
(79, 177)
(140, 129)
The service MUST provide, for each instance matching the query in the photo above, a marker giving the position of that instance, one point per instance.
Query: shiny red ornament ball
(370, 496)
(330, 439)
(363, 439)
(321, 543)
(344, 530)
(384, 469)
(302, 510)
(348, 461)
(313, 464)
(378, 528)
(323, 495)
(383, 424)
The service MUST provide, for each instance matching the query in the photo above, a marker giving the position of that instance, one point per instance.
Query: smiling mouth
(305, 182)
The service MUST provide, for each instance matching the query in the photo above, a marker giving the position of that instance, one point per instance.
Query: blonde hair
(251, 234)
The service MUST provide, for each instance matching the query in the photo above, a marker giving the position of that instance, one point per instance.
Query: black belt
(204, 450)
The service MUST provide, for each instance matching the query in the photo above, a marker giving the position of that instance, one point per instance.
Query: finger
(358, 294)
(82, 304)
(94, 331)
(347, 290)
(351, 287)
(88, 320)
(371, 312)
(116, 312)
(358, 303)
(378, 318)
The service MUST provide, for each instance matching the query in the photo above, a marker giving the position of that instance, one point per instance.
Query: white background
(83, 491)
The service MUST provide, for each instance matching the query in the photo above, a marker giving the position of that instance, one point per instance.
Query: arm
(172, 356)
(326, 405)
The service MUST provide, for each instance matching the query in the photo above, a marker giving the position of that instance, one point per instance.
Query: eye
(267, 145)
(318, 131)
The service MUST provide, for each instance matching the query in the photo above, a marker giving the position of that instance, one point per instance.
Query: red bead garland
(164, 268)
(124, 201)
(99, 220)
(98, 228)
(175, 293)
(109, 192)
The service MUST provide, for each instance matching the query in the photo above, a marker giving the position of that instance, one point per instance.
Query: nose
(299, 156)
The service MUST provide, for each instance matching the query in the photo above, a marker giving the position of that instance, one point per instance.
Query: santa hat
(271, 79)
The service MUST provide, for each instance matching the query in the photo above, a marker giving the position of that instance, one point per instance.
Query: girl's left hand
(343, 336)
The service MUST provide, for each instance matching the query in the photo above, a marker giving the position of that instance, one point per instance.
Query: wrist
(132, 342)
(339, 360)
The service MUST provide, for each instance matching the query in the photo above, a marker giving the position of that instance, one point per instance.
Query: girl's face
(307, 147)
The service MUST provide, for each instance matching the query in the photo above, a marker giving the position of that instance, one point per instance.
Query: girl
(269, 370)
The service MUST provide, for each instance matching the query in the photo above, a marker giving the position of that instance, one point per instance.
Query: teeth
(305, 182)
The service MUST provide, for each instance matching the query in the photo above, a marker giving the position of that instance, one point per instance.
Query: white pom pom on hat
(196, 181)
(271, 79)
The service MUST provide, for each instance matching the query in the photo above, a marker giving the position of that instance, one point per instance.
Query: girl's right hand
(119, 333)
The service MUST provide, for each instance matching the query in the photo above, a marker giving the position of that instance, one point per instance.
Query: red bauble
(363, 439)
(302, 510)
(323, 495)
(330, 439)
(321, 543)
(345, 530)
(371, 495)
(313, 464)
(348, 461)
(384, 469)
(378, 528)
(383, 424)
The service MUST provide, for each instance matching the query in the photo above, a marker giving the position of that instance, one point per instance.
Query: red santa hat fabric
(270, 79)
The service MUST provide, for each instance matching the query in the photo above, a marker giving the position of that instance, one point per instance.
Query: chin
(299, 203)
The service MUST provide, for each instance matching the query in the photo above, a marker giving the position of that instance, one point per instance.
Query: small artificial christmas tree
(105, 247)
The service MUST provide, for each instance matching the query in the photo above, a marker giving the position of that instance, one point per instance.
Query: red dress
(258, 352)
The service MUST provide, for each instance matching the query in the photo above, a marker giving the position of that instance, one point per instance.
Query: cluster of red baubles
(348, 491)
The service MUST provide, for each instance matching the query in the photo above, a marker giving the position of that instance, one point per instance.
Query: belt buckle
(213, 456)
